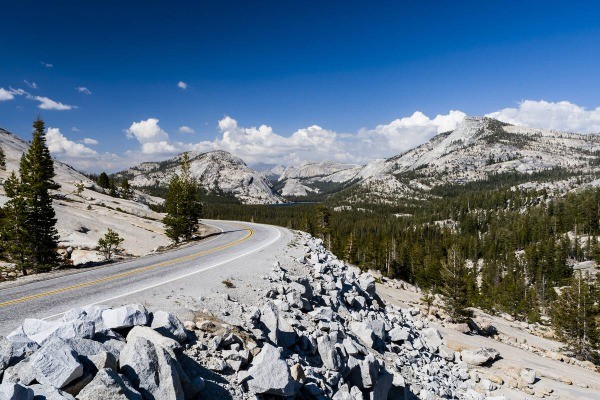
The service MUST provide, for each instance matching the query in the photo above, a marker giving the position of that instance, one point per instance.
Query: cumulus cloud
(152, 137)
(186, 129)
(6, 95)
(83, 89)
(32, 85)
(89, 141)
(561, 115)
(59, 145)
(49, 104)
(182, 85)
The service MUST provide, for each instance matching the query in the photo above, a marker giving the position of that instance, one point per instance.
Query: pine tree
(575, 315)
(37, 173)
(103, 181)
(324, 226)
(14, 232)
(109, 244)
(182, 204)
(2, 159)
(454, 285)
(126, 191)
(112, 188)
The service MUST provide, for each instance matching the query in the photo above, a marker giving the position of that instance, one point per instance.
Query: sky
(282, 82)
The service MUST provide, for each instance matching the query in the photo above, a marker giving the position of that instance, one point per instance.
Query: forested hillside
(517, 246)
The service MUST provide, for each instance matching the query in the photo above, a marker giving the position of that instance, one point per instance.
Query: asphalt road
(197, 267)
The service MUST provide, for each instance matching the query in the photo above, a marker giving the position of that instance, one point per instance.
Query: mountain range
(479, 150)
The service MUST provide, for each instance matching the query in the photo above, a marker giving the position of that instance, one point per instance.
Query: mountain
(84, 217)
(218, 172)
(480, 150)
(271, 171)
(316, 177)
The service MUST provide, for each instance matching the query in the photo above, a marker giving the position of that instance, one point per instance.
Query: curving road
(240, 249)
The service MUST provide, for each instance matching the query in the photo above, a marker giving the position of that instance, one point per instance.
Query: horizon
(273, 83)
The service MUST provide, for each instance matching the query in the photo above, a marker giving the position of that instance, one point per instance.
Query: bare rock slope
(216, 171)
(84, 216)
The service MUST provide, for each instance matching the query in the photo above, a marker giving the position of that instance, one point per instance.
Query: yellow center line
(127, 273)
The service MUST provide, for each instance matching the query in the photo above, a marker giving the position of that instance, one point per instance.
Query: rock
(382, 387)
(278, 329)
(207, 326)
(479, 356)
(431, 338)
(75, 387)
(399, 334)
(151, 369)
(168, 325)
(56, 364)
(104, 360)
(528, 376)
(189, 325)
(88, 313)
(125, 317)
(15, 391)
(49, 393)
(297, 373)
(153, 336)
(446, 353)
(20, 343)
(367, 283)
(41, 331)
(327, 351)
(194, 387)
(370, 333)
(488, 385)
(270, 374)
(108, 385)
(344, 393)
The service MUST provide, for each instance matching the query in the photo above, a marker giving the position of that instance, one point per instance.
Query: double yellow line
(127, 273)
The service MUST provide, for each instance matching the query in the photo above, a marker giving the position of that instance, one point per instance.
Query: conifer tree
(103, 181)
(126, 191)
(14, 232)
(182, 204)
(324, 228)
(454, 285)
(2, 159)
(109, 244)
(575, 317)
(37, 173)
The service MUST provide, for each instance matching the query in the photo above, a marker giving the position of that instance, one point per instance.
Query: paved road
(237, 244)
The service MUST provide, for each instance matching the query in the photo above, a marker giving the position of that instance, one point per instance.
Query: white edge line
(179, 277)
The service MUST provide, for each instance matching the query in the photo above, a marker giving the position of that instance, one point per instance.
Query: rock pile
(97, 353)
(327, 335)
(324, 334)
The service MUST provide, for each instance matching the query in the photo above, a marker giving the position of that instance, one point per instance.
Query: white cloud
(186, 129)
(182, 85)
(89, 141)
(59, 145)
(75, 129)
(49, 104)
(6, 95)
(153, 139)
(562, 115)
(83, 89)
(47, 65)
(32, 85)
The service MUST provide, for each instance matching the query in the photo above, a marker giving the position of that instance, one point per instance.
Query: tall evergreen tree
(454, 285)
(103, 181)
(324, 226)
(182, 204)
(2, 159)
(14, 232)
(575, 317)
(126, 191)
(37, 173)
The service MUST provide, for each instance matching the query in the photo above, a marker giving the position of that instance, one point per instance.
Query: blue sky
(316, 79)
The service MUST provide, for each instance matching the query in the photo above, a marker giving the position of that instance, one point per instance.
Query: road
(240, 249)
